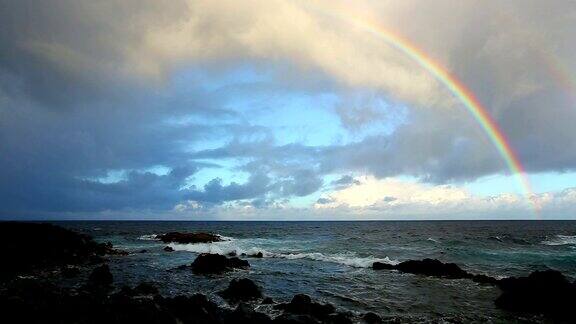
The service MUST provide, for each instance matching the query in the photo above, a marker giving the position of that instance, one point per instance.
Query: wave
(236, 246)
(349, 259)
(148, 237)
(561, 240)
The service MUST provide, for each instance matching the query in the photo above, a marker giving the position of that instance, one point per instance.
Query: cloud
(90, 88)
(393, 197)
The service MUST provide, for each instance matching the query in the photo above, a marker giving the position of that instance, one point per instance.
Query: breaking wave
(148, 237)
(244, 247)
(561, 240)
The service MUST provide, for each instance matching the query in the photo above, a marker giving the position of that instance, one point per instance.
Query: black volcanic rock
(371, 318)
(101, 276)
(382, 266)
(188, 238)
(28, 247)
(241, 290)
(244, 314)
(302, 304)
(168, 249)
(432, 267)
(207, 263)
(543, 292)
(435, 268)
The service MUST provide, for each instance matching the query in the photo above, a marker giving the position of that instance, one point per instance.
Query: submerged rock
(543, 292)
(241, 290)
(207, 263)
(188, 238)
(169, 249)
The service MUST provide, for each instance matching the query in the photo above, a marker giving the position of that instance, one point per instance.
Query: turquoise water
(331, 261)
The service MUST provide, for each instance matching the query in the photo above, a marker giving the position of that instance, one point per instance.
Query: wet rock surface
(542, 292)
(207, 263)
(241, 290)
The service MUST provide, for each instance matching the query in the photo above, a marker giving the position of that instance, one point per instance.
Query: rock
(244, 314)
(188, 238)
(435, 268)
(145, 288)
(258, 255)
(70, 272)
(382, 266)
(168, 249)
(483, 279)
(30, 247)
(193, 309)
(371, 318)
(241, 290)
(544, 292)
(207, 263)
(108, 249)
(143, 251)
(101, 276)
(295, 319)
(267, 301)
(302, 304)
(232, 254)
(432, 267)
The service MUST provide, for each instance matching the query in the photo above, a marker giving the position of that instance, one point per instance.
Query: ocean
(331, 261)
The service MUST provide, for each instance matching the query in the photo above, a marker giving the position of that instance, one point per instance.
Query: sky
(285, 109)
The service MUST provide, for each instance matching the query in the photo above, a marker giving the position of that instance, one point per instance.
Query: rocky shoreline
(38, 255)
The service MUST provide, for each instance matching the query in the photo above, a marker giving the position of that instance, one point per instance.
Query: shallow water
(331, 261)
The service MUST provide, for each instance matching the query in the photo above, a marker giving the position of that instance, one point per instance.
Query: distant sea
(331, 260)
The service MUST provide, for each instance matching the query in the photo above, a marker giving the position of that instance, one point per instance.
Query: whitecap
(148, 237)
(561, 240)
(348, 259)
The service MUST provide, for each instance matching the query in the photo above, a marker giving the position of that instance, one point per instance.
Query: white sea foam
(244, 246)
(349, 259)
(148, 237)
(561, 240)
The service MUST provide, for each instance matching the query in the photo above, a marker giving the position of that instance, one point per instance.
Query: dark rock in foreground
(241, 290)
(188, 238)
(27, 247)
(382, 266)
(207, 263)
(312, 311)
(101, 276)
(371, 318)
(542, 292)
(169, 249)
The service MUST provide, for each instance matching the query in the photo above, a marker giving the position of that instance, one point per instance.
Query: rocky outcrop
(168, 249)
(188, 238)
(542, 292)
(434, 268)
(101, 276)
(241, 290)
(311, 312)
(207, 263)
(28, 247)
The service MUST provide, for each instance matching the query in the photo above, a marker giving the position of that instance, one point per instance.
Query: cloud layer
(155, 105)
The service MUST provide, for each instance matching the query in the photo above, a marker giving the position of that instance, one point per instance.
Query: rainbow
(455, 86)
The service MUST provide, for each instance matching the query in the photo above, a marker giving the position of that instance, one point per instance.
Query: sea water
(331, 261)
